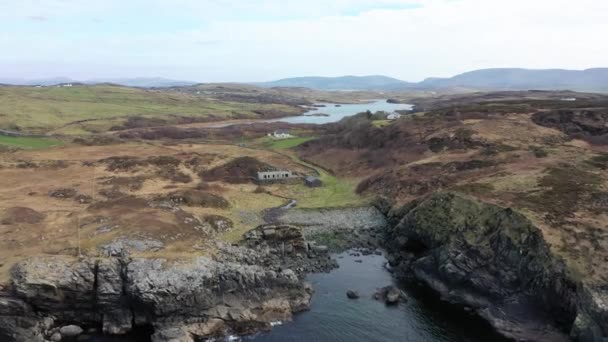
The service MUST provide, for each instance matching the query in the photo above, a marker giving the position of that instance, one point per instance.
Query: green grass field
(335, 192)
(28, 142)
(79, 109)
(283, 144)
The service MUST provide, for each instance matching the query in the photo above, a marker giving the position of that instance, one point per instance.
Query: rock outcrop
(496, 262)
(486, 257)
(285, 245)
(181, 301)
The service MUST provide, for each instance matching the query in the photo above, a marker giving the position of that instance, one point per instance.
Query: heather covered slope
(494, 151)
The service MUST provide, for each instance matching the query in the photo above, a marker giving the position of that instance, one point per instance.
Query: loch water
(336, 112)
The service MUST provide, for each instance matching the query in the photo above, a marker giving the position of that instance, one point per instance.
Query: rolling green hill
(82, 108)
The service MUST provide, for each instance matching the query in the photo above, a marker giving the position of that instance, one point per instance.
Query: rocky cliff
(179, 301)
(496, 262)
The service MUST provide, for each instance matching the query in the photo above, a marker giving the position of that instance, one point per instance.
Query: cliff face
(496, 262)
(181, 301)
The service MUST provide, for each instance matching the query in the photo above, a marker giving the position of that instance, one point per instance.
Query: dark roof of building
(311, 179)
(281, 131)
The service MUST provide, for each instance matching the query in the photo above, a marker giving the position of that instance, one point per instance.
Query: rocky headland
(494, 261)
(237, 290)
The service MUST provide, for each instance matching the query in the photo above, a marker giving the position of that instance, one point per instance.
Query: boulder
(269, 233)
(70, 330)
(56, 337)
(392, 295)
(351, 294)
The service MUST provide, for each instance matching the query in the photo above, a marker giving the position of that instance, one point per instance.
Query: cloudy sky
(257, 40)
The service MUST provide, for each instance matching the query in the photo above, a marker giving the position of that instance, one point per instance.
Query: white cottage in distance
(280, 134)
(393, 116)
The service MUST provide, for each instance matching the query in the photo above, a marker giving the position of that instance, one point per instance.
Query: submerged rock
(391, 295)
(352, 294)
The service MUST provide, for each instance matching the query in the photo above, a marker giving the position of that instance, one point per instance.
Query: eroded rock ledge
(182, 301)
(496, 262)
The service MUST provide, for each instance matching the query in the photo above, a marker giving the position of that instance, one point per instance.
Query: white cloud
(256, 40)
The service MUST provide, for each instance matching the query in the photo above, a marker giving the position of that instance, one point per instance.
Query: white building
(393, 116)
(274, 175)
(280, 134)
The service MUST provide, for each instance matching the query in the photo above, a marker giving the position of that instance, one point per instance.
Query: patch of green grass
(28, 142)
(283, 144)
(381, 123)
(335, 192)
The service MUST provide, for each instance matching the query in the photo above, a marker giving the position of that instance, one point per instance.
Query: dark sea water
(334, 317)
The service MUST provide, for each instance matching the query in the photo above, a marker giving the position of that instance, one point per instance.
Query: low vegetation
(283, 144)
(82, 108)
(28, 142)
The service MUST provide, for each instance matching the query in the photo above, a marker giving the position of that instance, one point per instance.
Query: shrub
(539, 152)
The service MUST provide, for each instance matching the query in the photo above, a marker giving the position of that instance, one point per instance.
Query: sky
(261, 40)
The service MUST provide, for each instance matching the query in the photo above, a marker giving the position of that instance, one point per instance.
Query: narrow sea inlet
(334, 317)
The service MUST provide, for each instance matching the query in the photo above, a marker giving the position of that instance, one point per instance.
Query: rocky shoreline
(240, 290)
(179, 300)
(491, 260)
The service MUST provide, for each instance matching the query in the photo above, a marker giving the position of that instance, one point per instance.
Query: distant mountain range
(485, 79)
(144, 82)
(340, 83)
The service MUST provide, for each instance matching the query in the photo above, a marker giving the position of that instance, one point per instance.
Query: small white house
(568, 99)
(393, 116)
(280, 134)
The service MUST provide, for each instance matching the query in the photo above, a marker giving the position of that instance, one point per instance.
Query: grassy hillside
(80, 109)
